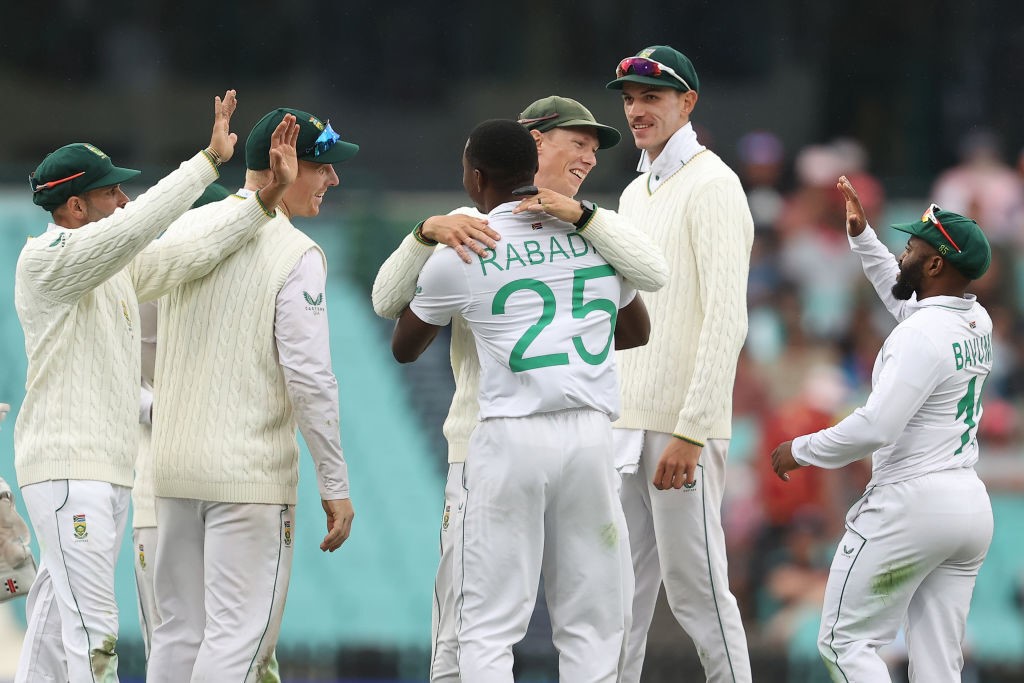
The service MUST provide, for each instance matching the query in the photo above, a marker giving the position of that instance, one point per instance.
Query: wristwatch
(588, 210)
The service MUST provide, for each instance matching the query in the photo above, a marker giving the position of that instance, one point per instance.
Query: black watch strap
(588, 211)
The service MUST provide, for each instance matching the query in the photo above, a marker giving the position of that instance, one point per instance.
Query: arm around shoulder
(628, 249)
(395, 284)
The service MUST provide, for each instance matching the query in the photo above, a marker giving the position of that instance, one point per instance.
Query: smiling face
(306, 194)
(654, 114)
(565, 156)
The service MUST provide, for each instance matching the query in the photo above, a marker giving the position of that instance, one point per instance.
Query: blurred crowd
(815, 329)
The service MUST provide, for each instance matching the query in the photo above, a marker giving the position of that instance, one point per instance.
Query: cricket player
(672, 441)
(243, 359)
(77, 289)
(568, 138)
(916, 539)
(539, 490)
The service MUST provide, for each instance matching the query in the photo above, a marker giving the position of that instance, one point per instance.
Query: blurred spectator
(761, 164)
(814, 251)
(983, 187)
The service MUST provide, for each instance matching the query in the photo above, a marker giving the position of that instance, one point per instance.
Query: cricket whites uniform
(917, 537)
(680, 386)
(76, 439)
(632, 255)
(243, 358)
(542, 309)
(143, 499)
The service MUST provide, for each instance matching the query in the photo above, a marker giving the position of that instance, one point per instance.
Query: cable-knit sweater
(223, 427)
(681, 382)
(76, 293)
(627, 249)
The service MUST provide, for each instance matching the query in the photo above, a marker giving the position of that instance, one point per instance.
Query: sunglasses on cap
(929, 215)
(328, 138)
(643, 66)
(39, 187)
(538, 119)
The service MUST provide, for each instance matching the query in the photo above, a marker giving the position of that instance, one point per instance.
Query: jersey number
(517, 361)
(968, 407)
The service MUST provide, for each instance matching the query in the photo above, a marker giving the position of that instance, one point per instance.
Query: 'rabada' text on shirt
(536, 252)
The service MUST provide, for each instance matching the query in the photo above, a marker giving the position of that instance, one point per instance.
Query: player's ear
(935, 266)
(479, 180)
(538, 137)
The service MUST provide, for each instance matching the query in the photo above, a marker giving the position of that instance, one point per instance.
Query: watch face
(587, 204)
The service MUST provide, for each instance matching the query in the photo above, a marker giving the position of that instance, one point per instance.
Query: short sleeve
(442, 289)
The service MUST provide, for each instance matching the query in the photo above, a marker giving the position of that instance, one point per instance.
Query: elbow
(404, 354)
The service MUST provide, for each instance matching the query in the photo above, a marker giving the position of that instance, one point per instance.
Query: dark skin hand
(783, 460)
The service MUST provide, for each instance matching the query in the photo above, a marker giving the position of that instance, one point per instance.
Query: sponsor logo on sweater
(127, 315)
(315, 302)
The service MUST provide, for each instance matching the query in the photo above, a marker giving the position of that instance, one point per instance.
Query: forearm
(194, 245)
(881, 269)
(68, 265)
(630, 251)
(314, 400)
(395, 283)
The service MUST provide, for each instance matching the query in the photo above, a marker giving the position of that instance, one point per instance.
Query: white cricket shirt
(542, 308)
(925, 404)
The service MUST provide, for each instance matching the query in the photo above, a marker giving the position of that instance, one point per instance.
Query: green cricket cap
(317, 140)
(213, 193)
(959, 240)
(562, 112)
(73, 170)
(643, 67)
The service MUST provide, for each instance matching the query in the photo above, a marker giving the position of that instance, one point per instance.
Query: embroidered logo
(973, 324)
(61, 239)
(943, 249)
(691, 485)
(78, 521)
(142, 556)
(315, 302)
(446, 517)
(316, 122)
(127, 316)
(847, 550)
(10, 585)
(94, 150)
(287, 533)
(419, 289)
(536, 226)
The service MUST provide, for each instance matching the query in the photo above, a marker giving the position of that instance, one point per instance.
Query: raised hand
(222, 141)
(283, 160)
(856, 220)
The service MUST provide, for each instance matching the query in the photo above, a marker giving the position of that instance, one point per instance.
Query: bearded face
(908, 282)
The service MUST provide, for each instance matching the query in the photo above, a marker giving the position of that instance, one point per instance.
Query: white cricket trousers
(222, 572)
(676, 538)
(72, 612)
(444, 644)
(144, 549)
(910, 556)
(540, 496)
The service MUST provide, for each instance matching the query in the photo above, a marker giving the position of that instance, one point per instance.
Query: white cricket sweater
(681, 382)
(76, 297)
(634, 255)
(223, 423)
